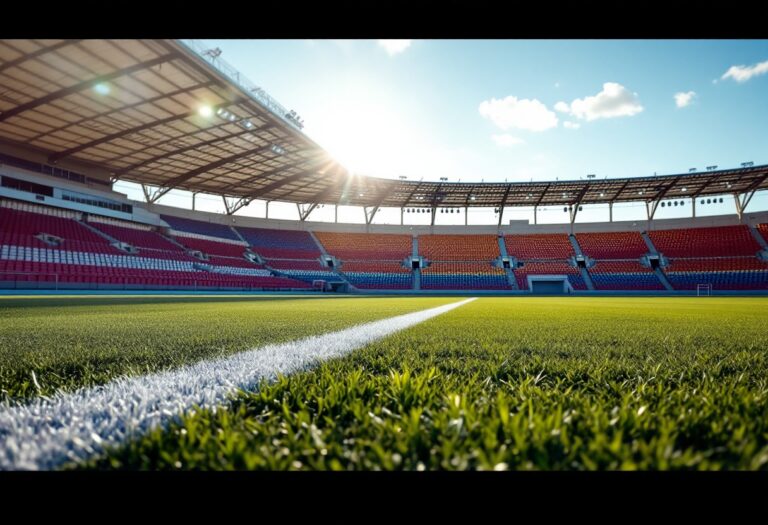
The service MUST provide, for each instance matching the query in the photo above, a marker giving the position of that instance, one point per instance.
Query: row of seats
(211, 247)
(723, 241)
(464, 281)
(459, 247)
(209, 229)
(366, 246)
(612, 245)
(72, 273)
(626, 281)
(374, 266)
(281, 244)
(380, 280)
(736, 280)
(539, 246)
(140, 238)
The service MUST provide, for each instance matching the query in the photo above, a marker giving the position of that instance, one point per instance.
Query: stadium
(350, 321)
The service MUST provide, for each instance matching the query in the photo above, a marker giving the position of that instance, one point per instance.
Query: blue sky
(497, 110)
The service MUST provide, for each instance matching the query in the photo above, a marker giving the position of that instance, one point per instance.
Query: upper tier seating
(366, 246)
(612, 245)
(459, 247)
(281, 244)
(138, 237)
(19, 227)
(209, 247)
(539, 246)
(720, 241)
(200, 227)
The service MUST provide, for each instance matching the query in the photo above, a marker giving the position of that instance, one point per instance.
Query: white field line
(46, 433)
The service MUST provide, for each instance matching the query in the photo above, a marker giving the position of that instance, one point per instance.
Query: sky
(519, 110)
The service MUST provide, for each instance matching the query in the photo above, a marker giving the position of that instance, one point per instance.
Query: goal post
(703, 290)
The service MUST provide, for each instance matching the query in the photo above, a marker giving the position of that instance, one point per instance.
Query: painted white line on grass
(47, 433)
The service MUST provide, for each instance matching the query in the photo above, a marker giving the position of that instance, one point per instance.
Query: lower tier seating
(549, 268)
(380, 280)
(624, 275)
(441, 275)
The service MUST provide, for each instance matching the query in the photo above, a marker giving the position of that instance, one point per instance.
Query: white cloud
(684, 99)
(571, 125)
(613, 101)
(743, 73)
(506, 140)
(511, 112)
(394, 47)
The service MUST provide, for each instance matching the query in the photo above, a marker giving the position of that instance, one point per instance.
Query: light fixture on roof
(248, 124)
(602, 194)
(640, 192)
(232, 117)
(684, 190)
(472, 198)
(727, 184)
(221, 112)
(101, 88)
(691, 170)
(205, 111)
(747, 164)
(713, 167)
(277, 149)
(402, 177)
(213, 53)
(591, 176)
(444, 179)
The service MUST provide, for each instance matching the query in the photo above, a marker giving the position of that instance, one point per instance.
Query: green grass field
(499, 383)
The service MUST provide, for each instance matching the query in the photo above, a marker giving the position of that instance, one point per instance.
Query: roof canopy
(160, 113)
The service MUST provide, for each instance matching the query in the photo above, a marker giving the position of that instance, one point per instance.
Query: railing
(254, 91)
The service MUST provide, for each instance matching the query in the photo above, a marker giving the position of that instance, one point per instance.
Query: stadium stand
(720, 241)
(459, 247)
(208, 229)
(366, 246)
(549, 268)
(539, 246)
(281, 244)
(612, 245)
(727, 273)
(463, 276)
(763, 229)
(624, 275)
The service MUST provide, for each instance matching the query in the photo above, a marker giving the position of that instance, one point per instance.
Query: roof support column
(535, 219)
(466, 215)
(369, 216)
(194, 194)
(501, 214)
(267, 216)
(336, 213)
(304, 213)
(610, 211)
(146, 193)
(402, 213)
(432, 220)
(693, 207)
(739, 208)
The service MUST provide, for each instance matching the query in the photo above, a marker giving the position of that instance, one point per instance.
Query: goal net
(703, 289)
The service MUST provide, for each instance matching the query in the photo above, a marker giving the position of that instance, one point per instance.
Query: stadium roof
(170, 114)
